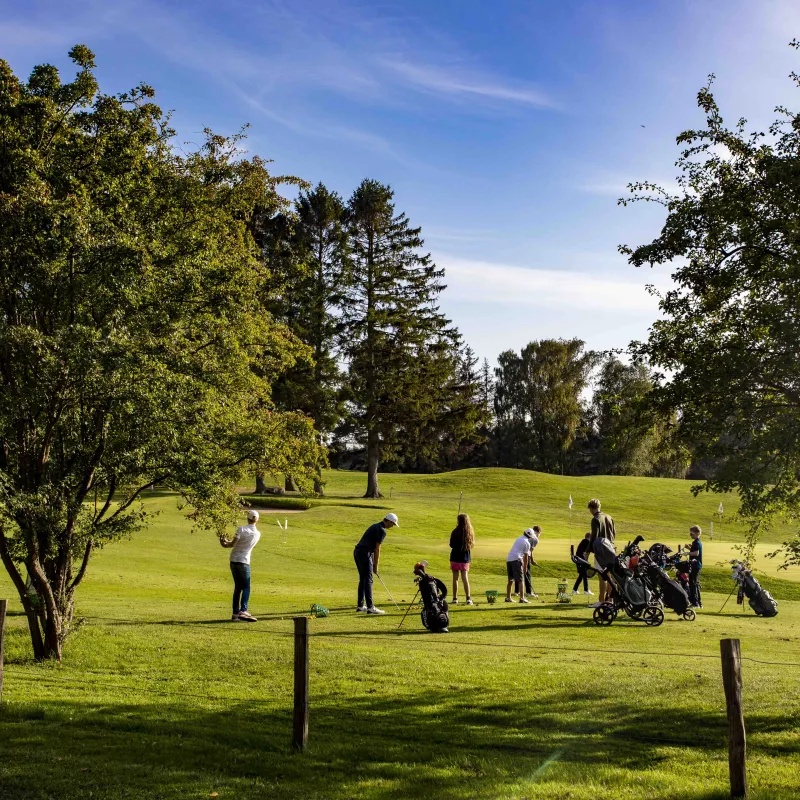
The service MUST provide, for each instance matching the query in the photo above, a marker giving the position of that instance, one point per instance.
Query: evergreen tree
(307, 255)
(442, 431)
(395, 337)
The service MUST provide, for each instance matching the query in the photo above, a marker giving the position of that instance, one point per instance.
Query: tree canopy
(134, 347)
(727, 347)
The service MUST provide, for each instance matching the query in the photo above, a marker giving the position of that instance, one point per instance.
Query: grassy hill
(160, 695)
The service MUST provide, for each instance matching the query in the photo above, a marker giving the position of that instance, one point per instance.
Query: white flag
(570, 502)
(720, 510)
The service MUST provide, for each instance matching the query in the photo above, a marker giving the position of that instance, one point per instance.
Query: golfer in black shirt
(584, 548)
(367, 554)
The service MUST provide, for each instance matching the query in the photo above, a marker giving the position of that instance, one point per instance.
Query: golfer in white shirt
(242, 544)
(517, 564)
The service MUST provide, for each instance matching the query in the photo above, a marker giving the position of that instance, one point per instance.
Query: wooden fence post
(3, 609)
(737, 743)
(300, 734)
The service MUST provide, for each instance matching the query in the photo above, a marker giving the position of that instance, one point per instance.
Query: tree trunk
(319, 488)
(373, 459)
(261, 487)
(289, 484)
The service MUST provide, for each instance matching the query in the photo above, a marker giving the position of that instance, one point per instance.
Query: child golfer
(584, 547)
(462, 540)
(242, 544)
(367, 553)
(695, 565)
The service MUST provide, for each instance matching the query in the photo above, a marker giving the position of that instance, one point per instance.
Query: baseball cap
(530, 533)
(252, 515)
(392, 518)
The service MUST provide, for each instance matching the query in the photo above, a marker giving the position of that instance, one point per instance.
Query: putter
(387, 591)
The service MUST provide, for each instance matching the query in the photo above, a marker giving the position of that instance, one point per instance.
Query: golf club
(410, 606)
(735, 587)
(387, 590)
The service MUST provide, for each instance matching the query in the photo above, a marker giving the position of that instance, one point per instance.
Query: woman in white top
(242, 544)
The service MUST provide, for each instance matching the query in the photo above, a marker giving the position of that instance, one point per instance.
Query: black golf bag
(434, 604)
(760, 600)
(671, 592)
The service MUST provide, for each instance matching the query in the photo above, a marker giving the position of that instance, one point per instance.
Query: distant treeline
(390, 383)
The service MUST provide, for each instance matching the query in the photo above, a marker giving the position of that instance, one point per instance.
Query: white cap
(391, 518)
(252, 515)
(530, 533)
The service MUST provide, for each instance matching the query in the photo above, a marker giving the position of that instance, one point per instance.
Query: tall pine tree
(394, 330)
(307, 255)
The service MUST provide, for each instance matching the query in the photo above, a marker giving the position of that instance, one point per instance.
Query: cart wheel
(689, 615)
(603, 615)
(653, 615)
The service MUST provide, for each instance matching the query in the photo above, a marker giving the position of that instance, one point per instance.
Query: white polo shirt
(520, 549)
(245, 540)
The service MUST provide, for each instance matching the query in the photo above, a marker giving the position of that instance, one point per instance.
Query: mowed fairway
(161, 696)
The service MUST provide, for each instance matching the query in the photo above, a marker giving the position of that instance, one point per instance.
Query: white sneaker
(525, 599)
(361, 609)
(574, 591)
(534, 595)
(509, 600)
(373, 610)
(587, 592)
(595, 605)
(470, 603)
(454, 602)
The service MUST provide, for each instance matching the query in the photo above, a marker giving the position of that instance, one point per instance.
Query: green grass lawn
(159, 696)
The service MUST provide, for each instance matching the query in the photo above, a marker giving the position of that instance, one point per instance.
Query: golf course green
(160, 695)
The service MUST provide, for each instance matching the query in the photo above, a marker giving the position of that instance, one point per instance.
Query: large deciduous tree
(631, 439)
(727, 347)
(130, 330)
(538, 402)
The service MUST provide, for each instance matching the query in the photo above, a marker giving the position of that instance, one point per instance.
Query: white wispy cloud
(467, 84)
(534, 287)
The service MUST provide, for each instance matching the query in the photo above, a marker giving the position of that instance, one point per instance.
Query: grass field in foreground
(160, 696)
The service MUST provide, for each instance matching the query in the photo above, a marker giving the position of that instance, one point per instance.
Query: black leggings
(581, 577)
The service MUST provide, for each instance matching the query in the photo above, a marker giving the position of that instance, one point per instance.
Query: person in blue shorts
(367, 554)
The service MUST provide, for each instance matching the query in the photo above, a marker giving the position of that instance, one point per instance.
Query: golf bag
(671, 592)
(604, 553)
(434, 605)
(760, 600)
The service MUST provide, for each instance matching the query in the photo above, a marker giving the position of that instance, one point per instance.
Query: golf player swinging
(367, 554)
(242, 544)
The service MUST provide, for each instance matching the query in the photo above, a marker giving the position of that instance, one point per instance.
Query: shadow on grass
(435, 743)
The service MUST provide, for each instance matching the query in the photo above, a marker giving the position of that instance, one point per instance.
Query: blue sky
(507, 129)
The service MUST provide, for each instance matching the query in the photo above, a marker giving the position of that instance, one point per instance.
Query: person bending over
(602, 528)
(537, 532)
(462, 540)
(583, 552)
(517, 564)
(242, 544)
(367, 554)
(695, 565)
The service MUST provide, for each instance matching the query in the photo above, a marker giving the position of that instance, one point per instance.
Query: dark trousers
(694, 583)
(363, 559)
(581, 577)
(241, 586)
(528, 582)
